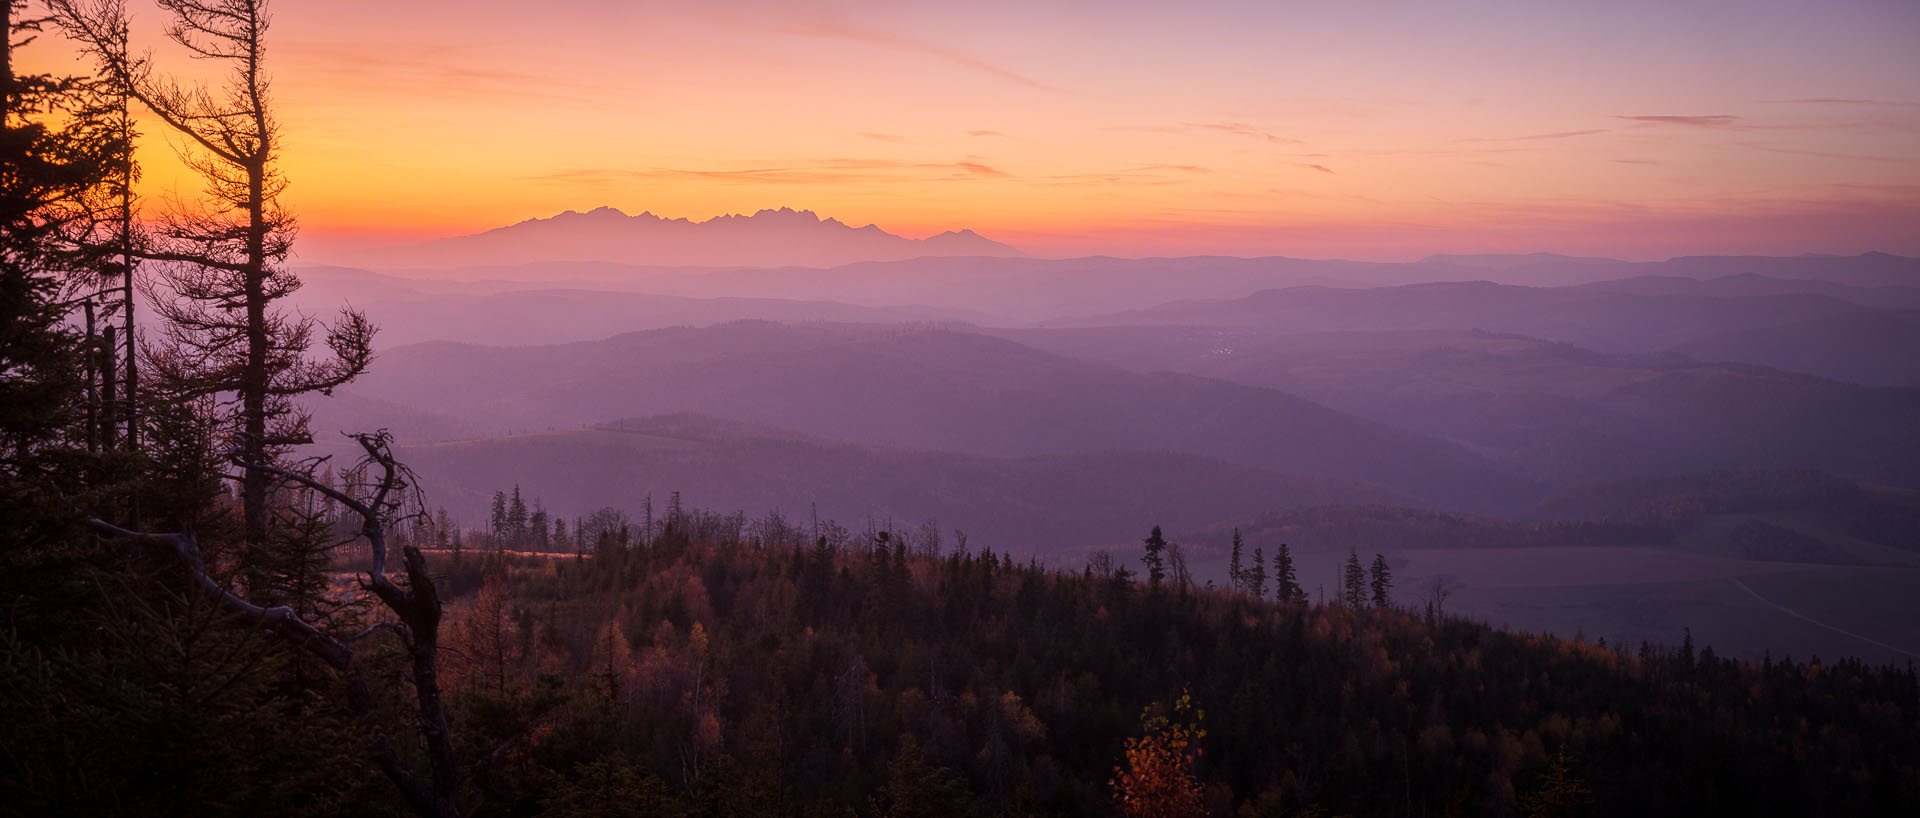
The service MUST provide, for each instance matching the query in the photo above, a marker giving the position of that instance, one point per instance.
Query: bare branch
(279, 619)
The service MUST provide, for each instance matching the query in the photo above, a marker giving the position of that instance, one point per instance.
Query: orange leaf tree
(1158, 781)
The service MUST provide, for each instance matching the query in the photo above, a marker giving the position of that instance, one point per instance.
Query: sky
(1360, 129)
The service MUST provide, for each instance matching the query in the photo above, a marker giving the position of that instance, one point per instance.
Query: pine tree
(1286, 583)
(1257, 575)
(497, 519)
(222, 262)
(1155, 557)
(1355, 581)
(516, 520)
(56, 157)
(1236, 576)
(537, 527)
(1382, 581)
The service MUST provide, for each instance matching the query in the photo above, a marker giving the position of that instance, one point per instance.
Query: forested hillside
(680, 674)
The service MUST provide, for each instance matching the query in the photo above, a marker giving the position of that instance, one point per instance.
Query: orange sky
(1374, 130)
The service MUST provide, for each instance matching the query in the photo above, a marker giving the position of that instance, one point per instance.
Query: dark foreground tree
(414, 602)
(57, 156)
(221, 265)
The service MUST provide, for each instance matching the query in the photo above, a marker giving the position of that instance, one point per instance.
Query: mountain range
(766, 238)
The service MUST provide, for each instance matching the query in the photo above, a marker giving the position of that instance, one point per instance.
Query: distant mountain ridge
(767, 238)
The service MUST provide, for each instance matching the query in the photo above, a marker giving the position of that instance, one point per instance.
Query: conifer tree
(222, 261)
(497, 516)
(1155, 557)
(1285, 581)
(1382, 581)
(1354, 579)
(516, 520)
(1236, 575)
(538, 529)
(1257, 575)
(56, 156)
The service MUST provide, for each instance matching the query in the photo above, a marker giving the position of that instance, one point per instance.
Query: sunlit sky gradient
(1373, 130)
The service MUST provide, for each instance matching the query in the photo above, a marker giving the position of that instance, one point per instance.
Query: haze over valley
(1056, 407)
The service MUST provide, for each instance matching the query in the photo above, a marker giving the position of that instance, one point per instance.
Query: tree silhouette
(1236, 574)
(57, 155)
(1354, 581)
(1155, 558)
(1381, 582)
(1257, 575)
(1286, 583)
(414, 603)
(220, 264)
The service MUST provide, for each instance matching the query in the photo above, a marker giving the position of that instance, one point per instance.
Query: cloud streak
(1836, 101)
(1240, 129)
(1538, 136)
(832, 29)
(1141, 175)
(1709, 121)
(435, 71)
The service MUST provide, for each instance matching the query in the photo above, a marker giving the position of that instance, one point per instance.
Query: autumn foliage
(1158, 779)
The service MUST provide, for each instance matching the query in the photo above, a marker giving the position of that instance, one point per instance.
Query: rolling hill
(1043, 504)
(1556, 412)
(1871, 349)
(1599, 320)
(925, 388)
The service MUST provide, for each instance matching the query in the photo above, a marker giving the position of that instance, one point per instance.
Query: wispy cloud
(1537, 136)
(1640, 161)
(1887, 121)
(1233, 128)
(1709, 121)
(1859, 157)
(1140, 175)
(978, 169)
(1239, 129)
(883, 137)
(1321, 168)
(1834, 101)
(989, 133)
(836, 29)
(432, 71)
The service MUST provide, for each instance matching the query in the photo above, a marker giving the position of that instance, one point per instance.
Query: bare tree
(220, 262)
(1177, 563)
(414, 602)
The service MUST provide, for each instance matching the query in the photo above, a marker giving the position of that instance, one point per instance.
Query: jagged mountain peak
(772, 237)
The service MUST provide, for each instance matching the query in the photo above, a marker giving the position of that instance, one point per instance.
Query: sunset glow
(1360, 130)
